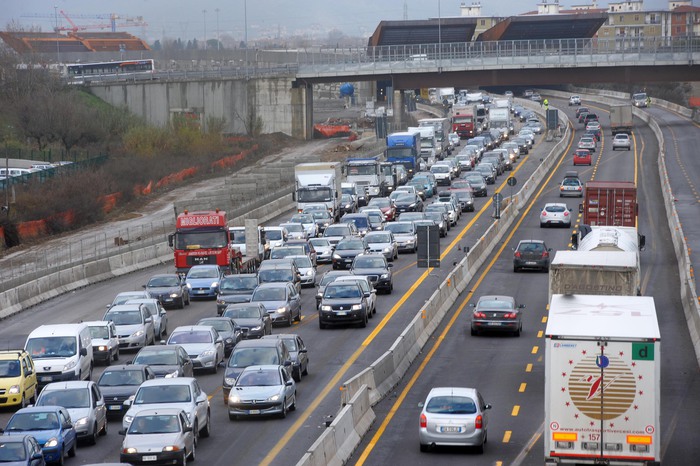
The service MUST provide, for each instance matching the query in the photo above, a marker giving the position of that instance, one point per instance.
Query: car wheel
(306, 369)
(542, 225)
(480, 449)
(516, 269)
(206, 431)
(23, 403)
(474, 332)
(298, 318)
(183, 459)
(195, 432)
(545, 269)
(391, 288)
(61, 458)
(283, 414)
(363, 324)
(296, 375)
(116, 355)
(103, 432)
(293, 406)
(93, 438)
(215, 369)
(321, 325)
(193, 453)
(71, 452)
(232, 417)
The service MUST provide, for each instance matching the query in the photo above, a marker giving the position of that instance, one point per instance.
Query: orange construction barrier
(109, 201)
(31, 230)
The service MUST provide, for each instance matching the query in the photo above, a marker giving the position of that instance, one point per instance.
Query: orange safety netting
(33, 229)
(331, 131)
(109, 201)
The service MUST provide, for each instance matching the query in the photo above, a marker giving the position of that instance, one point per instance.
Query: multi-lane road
(509, 371)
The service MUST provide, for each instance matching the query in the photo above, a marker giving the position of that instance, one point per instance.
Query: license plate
(447, 429)
(114, 408)
(494, 324)
(149, 458)
(253, 411)
(342, 313)
(122, 342)
(201, 291)
(46, 378)
(530, 263)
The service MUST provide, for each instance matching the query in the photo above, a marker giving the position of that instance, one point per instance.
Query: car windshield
(275, 275)
(124, 297)
(369, 263)
(291, 344)
(269, 294)
(301, 218)
(164, 282)
(461, 185)
(156, 424)
(555, 208)
(208, 272)
(9, 369)
(51, 347)
(531, 247)
(294, 227)
(320, 243)
(571, 182)
(273, 235)
(244, 357)
(221, 325)
(303, 262)
(360, 222)
(164, 357)
(440, 169)
(193, 336)
(120, 378)
(340, 230)
(400, 228)
(68, 398)
(12, 451)
(451, 405)
(259, 378)
(281, 253)
(349, 246)
(338, 291)
(495, 304)
(163, 394)
(381, 202)
(238, 283)
(320, 214)
(346, 199)
(101, 332)
(327, 279)
(406, 198)
(375, 239)
(243, 313)
(375, 217)
(237, 236)
(32, 421)
(124, 317)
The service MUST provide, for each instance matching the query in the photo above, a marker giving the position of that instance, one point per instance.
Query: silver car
(622, 141)
(383, 242)
(587, 143)
(203, 344)
(158, 436)
(262, 390)
(405, 235)
(306, 270)
(157, 311)
(453, 416)
(134, 325)
(84, 403)
(324, 249)
(555, 213)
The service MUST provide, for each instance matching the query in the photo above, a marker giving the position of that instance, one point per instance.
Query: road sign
(497, 198)
(511, 181)
(428, 246)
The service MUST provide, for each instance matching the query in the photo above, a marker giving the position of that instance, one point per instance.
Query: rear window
(555, 208)
(451, 405)
(531, 247)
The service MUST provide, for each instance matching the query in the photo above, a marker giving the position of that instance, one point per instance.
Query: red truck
(610, 203)
(202, 238)
(464, 121)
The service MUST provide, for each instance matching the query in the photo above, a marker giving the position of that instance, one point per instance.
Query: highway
(509, 371)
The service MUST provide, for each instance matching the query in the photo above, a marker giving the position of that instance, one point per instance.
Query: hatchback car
(20, 450)
(346, 250)
(166, 361)
(203, 281)
(574, 100)
(348, 204)
(338, 231)
(409, 203)
(497, 314)
(587, 143)
(125, 296)
(622, 141)
(255, 353)
(327, 278)
(307, 270)
(118, 383)
(376, 267)
(157, 312)
(322, 218)
(134, 325)
(343, 303)
(386, 206)
(295, 230)
(383, 242)
(581, 110)
(262, 390)
(158, 436)
(203, 344)
(235, 289)
(324, 249)
(298, 352)
(85, 404)
(478, 184)
(169, 289)
(571, 186)
(281, 300)
(227, 329)
(531, 254)
(18, 381)
(582, 157)
(308, 222)
(405, 235)
(252, 318)
(453, 416)
(555, 214)
(52, 428)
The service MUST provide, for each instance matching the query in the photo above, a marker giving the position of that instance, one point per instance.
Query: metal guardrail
(201, 74)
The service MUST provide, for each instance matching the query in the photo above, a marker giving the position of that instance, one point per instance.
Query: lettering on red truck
(201, 220)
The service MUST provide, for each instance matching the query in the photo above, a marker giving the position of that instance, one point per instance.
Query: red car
(582, 157)
(386, 205)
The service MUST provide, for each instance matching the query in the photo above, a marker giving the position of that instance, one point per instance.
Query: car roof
(272, 285)
(497, 297)
(266, 343)
(173, 381)
(191, 328)
(124, 307)
(461, 391)
(67, 385)
(150, 349)
(152, 411)
(39, 409)
(127, 367)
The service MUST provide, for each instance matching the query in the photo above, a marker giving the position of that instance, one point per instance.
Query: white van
(61, 352)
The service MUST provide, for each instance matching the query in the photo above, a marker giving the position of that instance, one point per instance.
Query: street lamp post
(439, 38)
(245, 34)
(218, 43)
(58, 47)
(204, 13)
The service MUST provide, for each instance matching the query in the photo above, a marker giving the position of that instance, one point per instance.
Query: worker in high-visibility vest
(546, 104)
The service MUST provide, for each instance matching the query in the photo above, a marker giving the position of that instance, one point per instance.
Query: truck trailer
(404, 148)
(602, 381)
(442, 128)
(610, 203)
(318, 183)
(621, 119)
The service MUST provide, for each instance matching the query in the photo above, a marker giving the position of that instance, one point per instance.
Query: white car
(157, 311)
(454, 139)
(306, 269)
(203, 345)
(295, 230)
(105, 342)
(587, 143)
(555, 213)
(180, 393)
(383, 242)
(324, 249)
(575, 100)
(308, 222)
(622, 141)
(162, 436)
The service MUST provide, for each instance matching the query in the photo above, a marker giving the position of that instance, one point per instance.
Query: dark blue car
(52, 428)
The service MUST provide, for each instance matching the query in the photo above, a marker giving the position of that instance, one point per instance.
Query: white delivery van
(61, 352)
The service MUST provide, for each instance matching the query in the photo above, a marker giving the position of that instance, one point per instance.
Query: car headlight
(385, 275)
(229, 340)
(206, 353)
(348, 206)
(257, 328)
(14, 390)
(325, 224)
(309, 273)
(214, 284)
(230, 381)
(172, 375)
(356, 307)
(281, 310)
(128, 419)
(102, 348)
(171, 448)
(411, 206)
(81, 422)
(274, 398)
(387, 249)
(336, 256)
(138, 333)
(326, 308)
(234, 399)
(52, 442)
(70, 365)
(174, 295)
(130, 450)
(220, 301)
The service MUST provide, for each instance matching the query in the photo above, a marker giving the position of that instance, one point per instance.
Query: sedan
(166, 361)
(622, 141)
(376, 267)
(324, 249)
(118, 383)
(203, 345)
(51, 426)
(487, 172)
(157, 312)
(262, 390)
(24, 450)
(587, 143)
(281, 300)
(498, 314)
(346, 250)
(383, 242)
(453, 416)
(169, 289)
(252, 318)
(533, 254)
(297, 350)
(478, 184)
(408, 203)
(386, 206)
(235, 289)
(227, 329)
(582, 157)
(158, 436)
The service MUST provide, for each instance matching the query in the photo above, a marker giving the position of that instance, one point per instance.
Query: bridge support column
(302, 112)
(397, 107)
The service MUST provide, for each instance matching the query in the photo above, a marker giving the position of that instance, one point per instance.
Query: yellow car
(18, 385)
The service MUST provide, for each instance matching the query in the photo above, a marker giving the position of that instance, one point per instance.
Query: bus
(125, 70)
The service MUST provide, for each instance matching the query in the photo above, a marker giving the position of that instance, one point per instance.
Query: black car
(118, 383)
(440, 220)
(346, 250)
(20, 449)
(235, 289)
(523, 145)
(170, 289)
(487, 172)
(376, 267)
(478, 184)
(252, 318)
(408, 203)
(531, 254)
(327, 278)
(347, 204)
(297, 350)
(166, 361)
(343, 303)
(227, 329)
(466, 200)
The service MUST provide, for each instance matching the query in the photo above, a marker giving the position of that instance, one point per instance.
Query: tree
(157, 46)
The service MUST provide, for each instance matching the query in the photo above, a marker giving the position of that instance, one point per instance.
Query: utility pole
(439, 38)
(204, 13)
(58, 47)
(245, 34)
(218, 44)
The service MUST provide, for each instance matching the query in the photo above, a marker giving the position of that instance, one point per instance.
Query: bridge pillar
(397, 107)
(302, 112)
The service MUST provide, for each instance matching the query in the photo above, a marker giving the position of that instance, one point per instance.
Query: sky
(188, 19)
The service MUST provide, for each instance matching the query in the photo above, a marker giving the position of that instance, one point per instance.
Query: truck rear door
(611, 204)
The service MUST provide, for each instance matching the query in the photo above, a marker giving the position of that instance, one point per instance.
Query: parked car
(405, 235)
(298, 352)
(203, 280)
(376, 267)
(383, 242)
(235, 289)
(166, 361)
(105, 341)
(281, 301)
(169, 289)
(531, 254)
(582, 157)
(84, 403)
(252, 318)
(346, 250)
(157, 313)
(622, 141)
(134, 325)
(343, 303)
(453, 416)
(52, 428)
(158, 436)
(270, 383)
(118, 383)
(20, 450)
(497, 314)
(203, 345)
(227, 329)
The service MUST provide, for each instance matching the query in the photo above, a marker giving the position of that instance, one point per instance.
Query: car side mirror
(100, 403)
(390, 265)
(37, 456)
(142, 286)
(187, 429)
(472, 305)
(287, 363)
(127, 402)
(148, 320)
(67, 425)
(421, 404)
(574, 241)
(368, 294)
(521, 306)
(642, 242)
(83, 351)
(487, 406)
(580, 208)
(288, 383)
(219, 340)
(303, 350)
(162, 342)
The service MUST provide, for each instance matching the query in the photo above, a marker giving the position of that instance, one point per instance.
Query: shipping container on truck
(602, 381)
(202, 238)
(610, 203)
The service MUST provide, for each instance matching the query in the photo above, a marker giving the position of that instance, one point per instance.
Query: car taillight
(479, 422)
(545, 254)
(510, 315)
(423, 421)
(566, 213)
(578, 188)
(544, 213)
(517, 254)
(479, 315)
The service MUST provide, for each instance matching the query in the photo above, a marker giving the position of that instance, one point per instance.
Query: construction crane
(128, 21)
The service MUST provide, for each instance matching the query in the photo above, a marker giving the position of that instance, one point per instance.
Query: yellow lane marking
(506, 436)
(528, 368)
(540, 333)
(544, 318)
(516, 410)
(522, 388)
(535, 349)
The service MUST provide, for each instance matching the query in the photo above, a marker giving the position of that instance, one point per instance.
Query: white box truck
(428, 144)
(602, 381)
(621, 119)
(318, 183)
